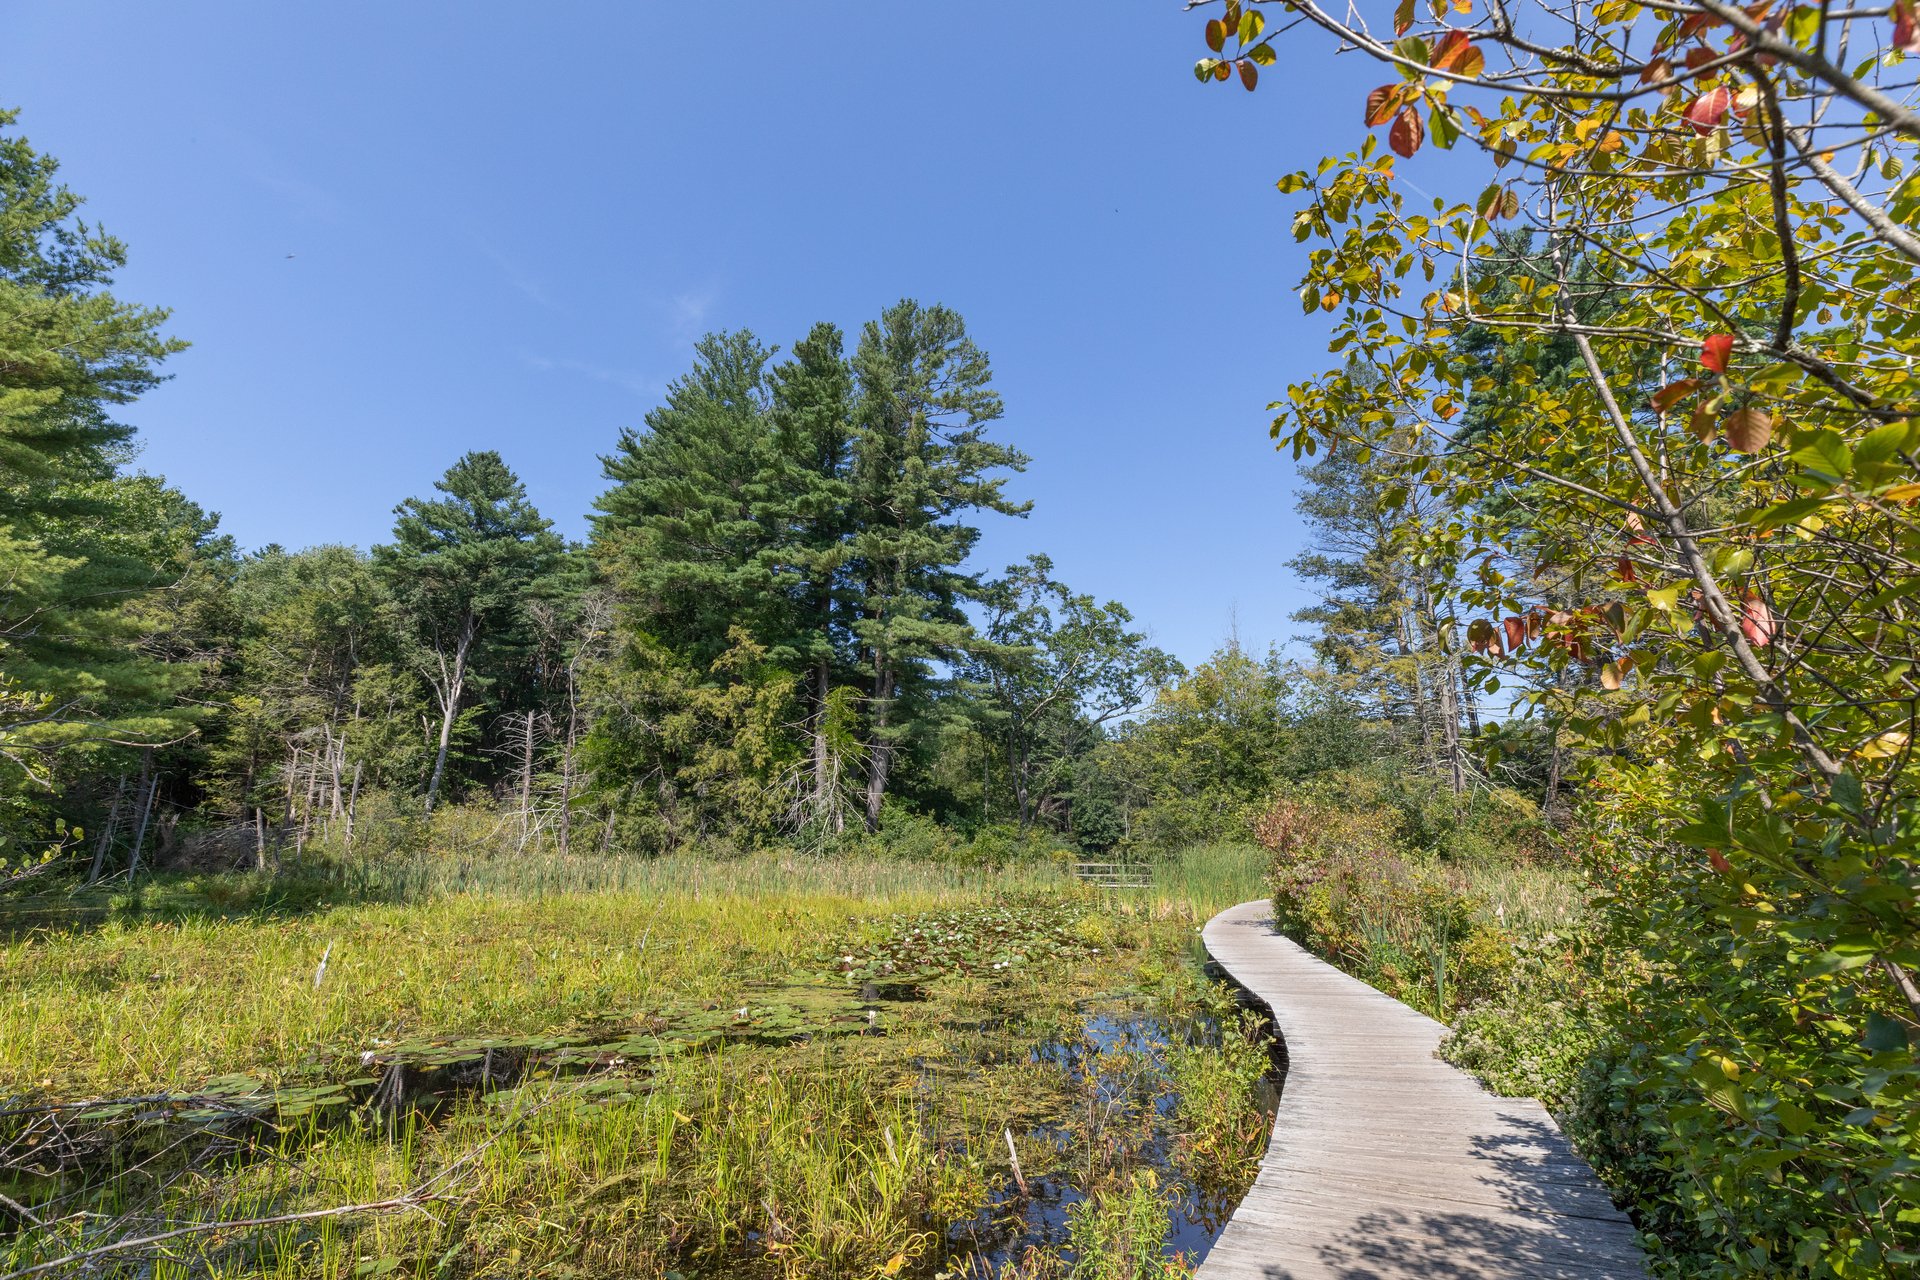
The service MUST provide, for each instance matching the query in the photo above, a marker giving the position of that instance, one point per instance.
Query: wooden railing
(1114, 875)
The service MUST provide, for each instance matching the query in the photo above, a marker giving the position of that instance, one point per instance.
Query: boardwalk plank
(1386, 1162)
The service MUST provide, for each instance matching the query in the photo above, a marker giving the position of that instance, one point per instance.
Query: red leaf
(1380, 104)
(1665, 398)
(1637, 534)
(1748, 429)
(1756, 621)
(1249, 74)
(1718, 861)
(1626, 570)
(1516, 629)
(1715, 350)
(1694, 25)
(1456, 53)
(1222, 70)
(1707, 111)
(1906, 33)
(1216, 35)
(1407, 133)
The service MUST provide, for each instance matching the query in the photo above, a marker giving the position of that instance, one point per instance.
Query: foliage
(1122, 1234)
(1535, 1034)
(80, 542)
(1347, 887)
(1059, 666)
(1203, 755)
(1693, 553)
(462, 568)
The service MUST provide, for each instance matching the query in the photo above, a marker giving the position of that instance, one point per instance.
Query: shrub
(1534, 1036)
(1345, 886)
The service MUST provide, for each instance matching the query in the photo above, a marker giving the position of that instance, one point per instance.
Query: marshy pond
(1048, 1087)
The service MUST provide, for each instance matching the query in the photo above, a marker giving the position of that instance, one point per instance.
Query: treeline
(773, 631)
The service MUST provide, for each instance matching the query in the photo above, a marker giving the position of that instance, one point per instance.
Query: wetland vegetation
(747, 1068)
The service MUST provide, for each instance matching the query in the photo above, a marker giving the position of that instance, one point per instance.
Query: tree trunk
(259, 839)
(140, 835)
(353, 801)
(1018, 764)
(105, 841)
(526, 783)
(336, 761)
(880, 763)
(454, 685)
(822, 802)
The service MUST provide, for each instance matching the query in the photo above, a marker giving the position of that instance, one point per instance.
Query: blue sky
(508, 222)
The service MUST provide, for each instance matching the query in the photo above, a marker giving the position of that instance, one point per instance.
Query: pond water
(1119, 1062)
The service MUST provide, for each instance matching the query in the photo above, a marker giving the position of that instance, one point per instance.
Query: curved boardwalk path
(1386, 1162)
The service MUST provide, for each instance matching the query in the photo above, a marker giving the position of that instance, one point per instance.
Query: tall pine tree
(462, 568)
(73, 678)
(922, 465)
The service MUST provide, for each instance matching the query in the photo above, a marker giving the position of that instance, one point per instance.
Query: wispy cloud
(529, 285)
(639, 384)
(261, 164)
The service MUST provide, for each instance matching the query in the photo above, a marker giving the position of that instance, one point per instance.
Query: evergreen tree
(683, 536)
(813, 437)
(1378, 629)
(921, 465)
(462, 568)
(72, 676)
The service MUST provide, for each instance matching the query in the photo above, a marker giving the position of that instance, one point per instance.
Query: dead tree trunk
(105, 841)
(140, 835)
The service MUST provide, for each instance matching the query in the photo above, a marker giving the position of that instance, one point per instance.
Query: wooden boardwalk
(1386, 1162)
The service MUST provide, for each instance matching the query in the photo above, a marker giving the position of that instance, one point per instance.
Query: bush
(1345, 889)
(1534, 1036)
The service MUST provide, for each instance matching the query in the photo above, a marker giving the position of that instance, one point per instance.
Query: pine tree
(813, 439)
(921, 465)
(683, 535)
(72, 677)
(462, 568)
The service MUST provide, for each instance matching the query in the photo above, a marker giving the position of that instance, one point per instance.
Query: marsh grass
(183, 989)
(1529, 899)
(844, 1156)
(1208, 878)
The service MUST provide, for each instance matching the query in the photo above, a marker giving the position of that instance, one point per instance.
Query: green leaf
(1794, 1118)
(1880, 445)
(1788, 512)
(1823, 454)
(1884, 1034)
